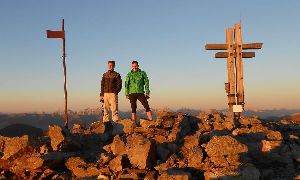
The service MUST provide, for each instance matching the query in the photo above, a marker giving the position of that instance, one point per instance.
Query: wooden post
(61, 35)
(230, 68)
(65, 76)
(239, 65)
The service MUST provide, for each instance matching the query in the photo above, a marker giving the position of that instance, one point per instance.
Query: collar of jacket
(139, 70)
(111, 71)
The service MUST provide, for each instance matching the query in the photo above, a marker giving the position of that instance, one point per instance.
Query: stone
(11, 146)
(62, 140)
(210, 175)
(125, 126)
(191, 141)
(146, 123)
(28, 162)
(151, 175)
(118, 147)
(118, 163)
(57, 137)
(228, 124)
(81, 169)
(224, 146)
(97, 127)
(274, 135)
(47, 174)
(130, 175)
(166, 120)
(195, 158)
(77, 129)
(105, 157)
(172, 161)
(219, 116)
(268, 146)
(141, 151)
(161, 139)
(103, 177)
(175, 175)
(44, 149)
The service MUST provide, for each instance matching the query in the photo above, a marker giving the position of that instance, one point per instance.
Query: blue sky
(166, 37)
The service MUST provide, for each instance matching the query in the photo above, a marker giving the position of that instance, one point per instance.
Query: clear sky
(167, 38)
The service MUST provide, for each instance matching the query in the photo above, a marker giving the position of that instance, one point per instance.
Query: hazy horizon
(166, 37)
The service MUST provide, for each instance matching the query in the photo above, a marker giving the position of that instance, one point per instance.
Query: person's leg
(133, 116)
(149, 115)
(114, 107)
(133, 99)
(142, 98)
(106, 108)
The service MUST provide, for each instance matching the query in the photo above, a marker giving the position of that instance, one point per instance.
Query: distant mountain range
(90, 115)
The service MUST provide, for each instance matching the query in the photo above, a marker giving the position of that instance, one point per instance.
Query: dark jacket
(111, 83)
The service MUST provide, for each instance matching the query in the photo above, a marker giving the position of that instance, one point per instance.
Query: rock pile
(175, 146)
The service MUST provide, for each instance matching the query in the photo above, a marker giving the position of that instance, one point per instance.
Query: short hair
(110, 61)
(135, 62)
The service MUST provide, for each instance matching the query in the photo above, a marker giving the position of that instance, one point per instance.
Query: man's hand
(147, 96)
(127, 97)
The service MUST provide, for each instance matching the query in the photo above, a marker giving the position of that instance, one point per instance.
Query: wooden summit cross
(234, 54)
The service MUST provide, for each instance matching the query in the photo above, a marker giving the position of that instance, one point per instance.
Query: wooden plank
(244, 54)
(224, 46)
(230, 68)
(216, 46)
(239, 65)
(55, 34)
(252, 46)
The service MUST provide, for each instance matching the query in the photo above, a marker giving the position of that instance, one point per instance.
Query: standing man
(137, 88)
(111, 85)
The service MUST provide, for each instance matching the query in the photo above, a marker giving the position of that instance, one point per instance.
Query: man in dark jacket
(111, 85)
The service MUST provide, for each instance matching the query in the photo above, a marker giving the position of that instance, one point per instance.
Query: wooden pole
(65, 76)
(230, 68)
(239, 65)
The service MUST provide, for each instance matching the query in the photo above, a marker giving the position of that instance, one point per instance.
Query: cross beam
(234, 54)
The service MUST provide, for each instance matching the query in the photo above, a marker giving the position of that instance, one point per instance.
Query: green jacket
(137, 82)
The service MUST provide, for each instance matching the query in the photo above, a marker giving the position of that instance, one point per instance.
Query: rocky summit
(175, 146)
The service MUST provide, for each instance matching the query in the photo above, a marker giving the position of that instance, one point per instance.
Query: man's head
(135, 66)
(111, 65)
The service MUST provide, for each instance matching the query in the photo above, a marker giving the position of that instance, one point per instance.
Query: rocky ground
(176, 146)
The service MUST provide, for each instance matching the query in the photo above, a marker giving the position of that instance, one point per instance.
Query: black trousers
(142, 98)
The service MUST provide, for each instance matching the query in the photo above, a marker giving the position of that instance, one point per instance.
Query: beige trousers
(110, 103)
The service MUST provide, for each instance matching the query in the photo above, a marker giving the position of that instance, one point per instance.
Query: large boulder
(28, 162)
(62, 139)
(224, 146)
(224, 151)
(11, 146)
(141, 151)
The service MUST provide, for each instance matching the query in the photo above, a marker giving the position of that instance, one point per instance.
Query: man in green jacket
(137, 88)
